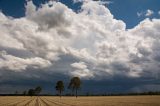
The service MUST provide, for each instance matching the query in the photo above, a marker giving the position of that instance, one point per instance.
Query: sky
(112, 45)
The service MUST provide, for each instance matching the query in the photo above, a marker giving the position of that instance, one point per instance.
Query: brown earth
(80, 101)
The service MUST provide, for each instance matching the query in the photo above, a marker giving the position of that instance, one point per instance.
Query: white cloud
(139, 14)
(159, 12)
(149, 13)
(80, 65)
(81, 70)
(99, 44)
(101, 2)
(146, 13)
(18, 64)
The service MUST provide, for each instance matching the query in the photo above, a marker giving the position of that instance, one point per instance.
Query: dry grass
(81, 101)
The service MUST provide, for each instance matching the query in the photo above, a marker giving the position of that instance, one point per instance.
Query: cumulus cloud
(92, 42)
(19, 64)
(81, 70)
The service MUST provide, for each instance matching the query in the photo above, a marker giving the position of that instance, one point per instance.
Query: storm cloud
(91, 43)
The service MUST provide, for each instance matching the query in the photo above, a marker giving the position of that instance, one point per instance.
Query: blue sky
(125, 10)
(113, 47)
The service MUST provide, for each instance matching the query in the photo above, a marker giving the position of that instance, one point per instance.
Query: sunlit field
(80, 101)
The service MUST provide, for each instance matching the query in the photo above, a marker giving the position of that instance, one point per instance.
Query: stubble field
(80, 101)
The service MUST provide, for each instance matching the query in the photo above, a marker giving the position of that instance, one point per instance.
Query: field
(80, 101)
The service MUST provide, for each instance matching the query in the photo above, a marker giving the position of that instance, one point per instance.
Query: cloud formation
(146, 13)
(89, 44)
(80, 69)
(11, 62)
(159, 12)
(149, 13)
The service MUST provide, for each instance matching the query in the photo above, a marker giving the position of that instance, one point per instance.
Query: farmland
(80, 101)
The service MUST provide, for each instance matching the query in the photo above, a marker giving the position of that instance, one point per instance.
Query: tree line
(74, 86)
(31, 92)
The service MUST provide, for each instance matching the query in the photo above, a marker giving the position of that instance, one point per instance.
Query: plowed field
(80, 101)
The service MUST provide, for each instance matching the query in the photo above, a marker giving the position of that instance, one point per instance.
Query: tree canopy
(75, 84)
(59, 87)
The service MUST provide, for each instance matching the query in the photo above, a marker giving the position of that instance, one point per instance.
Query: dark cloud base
(48, 80)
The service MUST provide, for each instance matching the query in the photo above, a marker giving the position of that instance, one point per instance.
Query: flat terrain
(80, 101)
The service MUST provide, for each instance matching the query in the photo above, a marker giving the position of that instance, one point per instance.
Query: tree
(31, 92)
(37, 90)
(75, 84)
(59, 87)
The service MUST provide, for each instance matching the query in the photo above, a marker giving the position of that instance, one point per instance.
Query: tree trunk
(76, 93)
(60, 94)
(72, 92)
